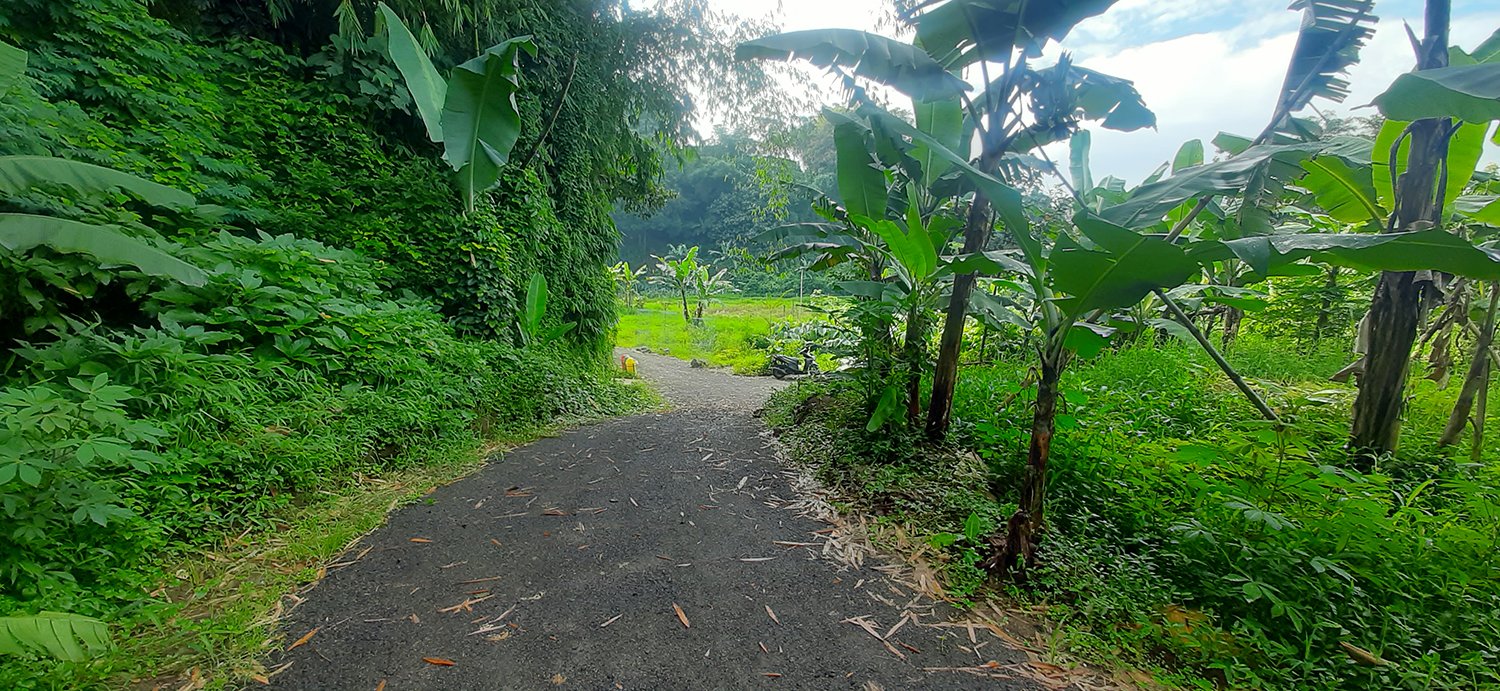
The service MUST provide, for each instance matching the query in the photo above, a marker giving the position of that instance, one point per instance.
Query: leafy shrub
(290, 371)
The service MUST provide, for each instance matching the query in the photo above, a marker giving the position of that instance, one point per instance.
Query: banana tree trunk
(686, 318)
(1024, 527)
(912, 352)
(1232, 318)
(1474, 379)
(1476, 452)
(945, 371)
(1396, 309)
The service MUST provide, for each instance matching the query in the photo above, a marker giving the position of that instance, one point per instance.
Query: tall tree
(1396, 309)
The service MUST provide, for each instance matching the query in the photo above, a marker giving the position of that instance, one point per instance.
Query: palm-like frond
(1328, 44)
(71, 637)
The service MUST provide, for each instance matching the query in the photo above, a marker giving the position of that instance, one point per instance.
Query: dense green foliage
(1256, 539)
(729, 192)
(1194, 537)
(346, 319)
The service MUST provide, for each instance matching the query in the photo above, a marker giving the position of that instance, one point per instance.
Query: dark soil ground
(660, 551)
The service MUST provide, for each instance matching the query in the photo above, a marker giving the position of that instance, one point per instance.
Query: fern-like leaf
(71, 637)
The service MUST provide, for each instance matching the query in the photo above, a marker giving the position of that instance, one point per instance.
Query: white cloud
(1204, 83)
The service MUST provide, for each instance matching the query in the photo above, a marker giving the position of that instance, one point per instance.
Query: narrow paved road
(660, 551)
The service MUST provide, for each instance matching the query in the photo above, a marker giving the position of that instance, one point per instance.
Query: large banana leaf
(22, 232)
(1149, 203)
(481, 120)
(943, 120)
(1467, 92)
(1078, 162)
(1328, 44)
(901, 66)
(1435, 250)
(70, 637)
(962, 32)
(1113, 101)
(1464, 150)
(1343, 187)
(20, 173)
(428, 88)
(1482, 208)
(536, 307)
(12, 65)
(1122, 268)
(1190, 154)
(913, 250)
(1004, 198)
(861, 184)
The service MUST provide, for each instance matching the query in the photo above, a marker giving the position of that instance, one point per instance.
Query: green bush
(291, 371)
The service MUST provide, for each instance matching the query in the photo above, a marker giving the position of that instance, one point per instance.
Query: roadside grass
(726, 338)
(218, 615)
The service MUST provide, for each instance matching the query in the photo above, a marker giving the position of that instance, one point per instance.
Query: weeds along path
(659, 551)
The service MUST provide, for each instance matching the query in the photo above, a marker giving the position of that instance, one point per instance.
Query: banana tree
(473, 113)
(956, 36)
(896, 229)
(708, 284)
(535, 310)
(1435, 100)
(625, 281)
(678, 275)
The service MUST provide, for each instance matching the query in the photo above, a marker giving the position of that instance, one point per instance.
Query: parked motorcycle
(783, 366)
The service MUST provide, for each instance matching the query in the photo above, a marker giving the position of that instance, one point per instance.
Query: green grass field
(724, 339)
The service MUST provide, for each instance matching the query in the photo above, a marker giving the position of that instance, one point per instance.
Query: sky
(1203, 66)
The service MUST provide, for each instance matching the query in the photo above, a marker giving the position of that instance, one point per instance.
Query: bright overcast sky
(1203, 65)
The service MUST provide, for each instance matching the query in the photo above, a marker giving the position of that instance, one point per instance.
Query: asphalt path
(660, 551)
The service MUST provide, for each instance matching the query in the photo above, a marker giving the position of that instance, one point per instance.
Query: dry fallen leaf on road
(772, 615)
(772, 675)
(380, 686)
(682, 616)
(611, 620)
(558, 679)
(441, 662)
(418, 539)
(305, 638)
(554, 512)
